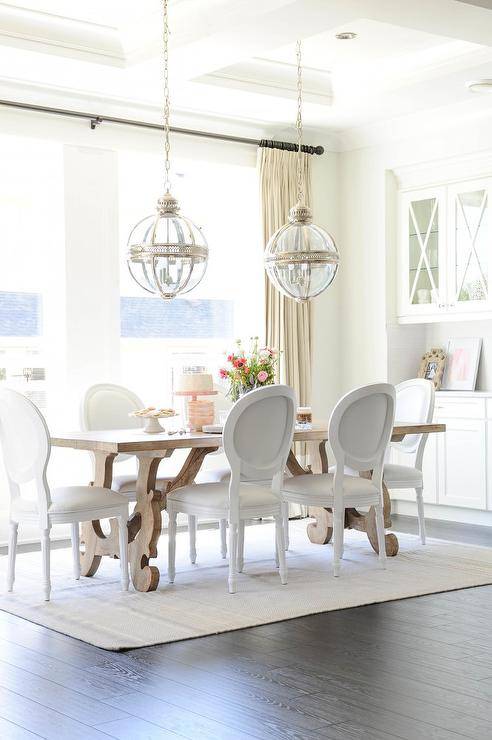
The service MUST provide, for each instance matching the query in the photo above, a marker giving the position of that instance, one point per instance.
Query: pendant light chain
(301, 259)
(167, 104)
(167, 252)
(300, 188)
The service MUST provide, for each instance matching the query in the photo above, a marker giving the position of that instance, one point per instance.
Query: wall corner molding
(453, 169)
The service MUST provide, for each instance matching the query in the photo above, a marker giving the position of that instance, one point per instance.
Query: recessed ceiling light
(483, 85)
(346, 35)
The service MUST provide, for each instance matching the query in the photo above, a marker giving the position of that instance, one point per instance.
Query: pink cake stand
(192, 395)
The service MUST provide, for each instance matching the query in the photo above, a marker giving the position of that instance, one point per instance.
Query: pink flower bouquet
(248, 370)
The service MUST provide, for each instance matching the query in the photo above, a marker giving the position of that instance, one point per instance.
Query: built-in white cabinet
(443, 266)
(458, 462)
(462, 460)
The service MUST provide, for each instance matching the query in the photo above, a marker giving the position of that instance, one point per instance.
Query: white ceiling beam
(266, 77)
(53, 34)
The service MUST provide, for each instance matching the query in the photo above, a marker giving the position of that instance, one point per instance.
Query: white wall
(91, 269)
(374, 347)
(326, 384)
(437, 335)
(362, 246)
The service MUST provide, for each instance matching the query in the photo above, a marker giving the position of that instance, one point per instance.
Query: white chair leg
(420, 509)
(223, 538)
(171, 557)
(232, 558)
(338, 522)
(12, 553)
(285, 517)
(240, 547)
(45, 551)
(76, 550)
(381, 535)
(280, 548)
(123, 538)
(192, 534)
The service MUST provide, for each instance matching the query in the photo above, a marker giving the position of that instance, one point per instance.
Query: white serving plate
(213, 428)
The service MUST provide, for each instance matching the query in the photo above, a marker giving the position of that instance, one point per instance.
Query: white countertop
(464, 394)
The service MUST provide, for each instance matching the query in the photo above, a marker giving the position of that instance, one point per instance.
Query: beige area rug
(96, 611)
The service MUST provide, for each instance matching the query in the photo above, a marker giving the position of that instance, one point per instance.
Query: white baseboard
(444, 513)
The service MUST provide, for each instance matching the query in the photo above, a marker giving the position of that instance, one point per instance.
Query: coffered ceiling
(236, 58)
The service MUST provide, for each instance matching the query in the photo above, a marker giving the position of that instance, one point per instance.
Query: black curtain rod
(96, 120)
(290, 147)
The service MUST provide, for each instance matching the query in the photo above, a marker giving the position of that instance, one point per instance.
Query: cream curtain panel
(287, 323)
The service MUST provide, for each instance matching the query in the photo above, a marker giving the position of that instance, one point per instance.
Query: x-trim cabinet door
(423, 266)
(469, 246)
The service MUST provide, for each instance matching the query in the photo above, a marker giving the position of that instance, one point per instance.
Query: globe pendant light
(301, 259)
(167, 253)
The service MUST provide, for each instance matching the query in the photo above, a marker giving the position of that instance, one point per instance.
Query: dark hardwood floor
(414, 669)
(472, 533)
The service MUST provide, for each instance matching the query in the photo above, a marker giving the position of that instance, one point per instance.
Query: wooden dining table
(145, 523)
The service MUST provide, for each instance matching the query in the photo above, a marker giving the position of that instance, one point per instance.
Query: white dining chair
(359, 432)
(108, 406)
(26, 448)
(257, 438)
(414, 403)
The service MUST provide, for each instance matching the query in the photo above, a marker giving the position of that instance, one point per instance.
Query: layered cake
(195, 383)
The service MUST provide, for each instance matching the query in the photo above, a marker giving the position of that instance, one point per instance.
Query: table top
(136, 440)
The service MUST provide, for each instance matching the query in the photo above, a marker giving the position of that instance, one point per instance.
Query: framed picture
(432, 366)
(462, 364)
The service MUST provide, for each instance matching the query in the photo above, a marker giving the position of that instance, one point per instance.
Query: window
(65, 323)
(31, 228)
(158, 338)
(32, 272)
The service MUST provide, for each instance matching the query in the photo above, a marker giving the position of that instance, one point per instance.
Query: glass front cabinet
(445, 252)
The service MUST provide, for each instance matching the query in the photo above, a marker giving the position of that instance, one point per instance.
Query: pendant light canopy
(301, 259)
(167, 253)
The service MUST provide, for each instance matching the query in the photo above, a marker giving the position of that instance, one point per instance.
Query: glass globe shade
(167, 253)
(301, 259)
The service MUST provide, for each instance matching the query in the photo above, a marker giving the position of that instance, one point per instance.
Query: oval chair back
(26, 447)
(258, 435)
(414, 403)
(360, 429)
(107, 406)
